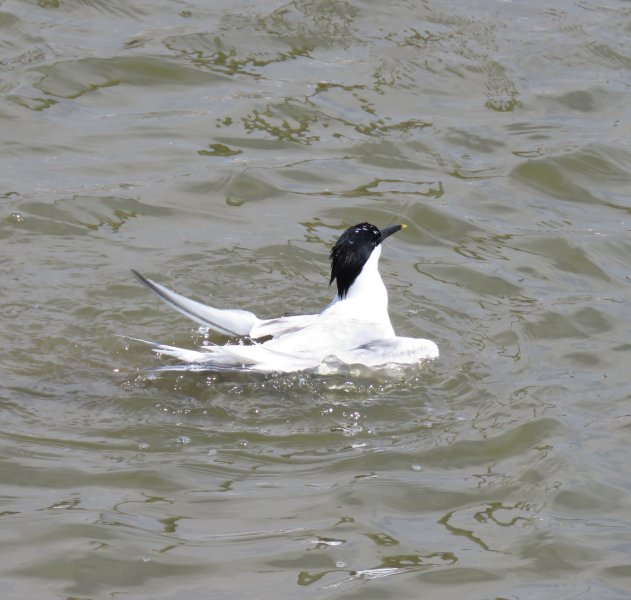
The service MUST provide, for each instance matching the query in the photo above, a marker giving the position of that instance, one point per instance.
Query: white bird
(353, 329)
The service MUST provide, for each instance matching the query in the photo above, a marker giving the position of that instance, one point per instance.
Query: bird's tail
(220, 357)
(233, 357)
(228, 322)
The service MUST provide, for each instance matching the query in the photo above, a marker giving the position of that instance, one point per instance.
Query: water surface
(221, 150)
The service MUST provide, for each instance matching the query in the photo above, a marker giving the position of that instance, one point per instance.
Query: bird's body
(354, 328)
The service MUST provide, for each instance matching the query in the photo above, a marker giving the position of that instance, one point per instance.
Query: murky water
(220, 148)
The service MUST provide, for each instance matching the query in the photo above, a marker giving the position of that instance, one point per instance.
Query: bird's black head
(352, 250)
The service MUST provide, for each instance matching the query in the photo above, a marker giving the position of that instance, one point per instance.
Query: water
(221, 148)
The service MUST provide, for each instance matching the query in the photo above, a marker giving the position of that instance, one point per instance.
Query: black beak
(388, 231)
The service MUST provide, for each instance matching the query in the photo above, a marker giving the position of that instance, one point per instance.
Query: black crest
(350, 253)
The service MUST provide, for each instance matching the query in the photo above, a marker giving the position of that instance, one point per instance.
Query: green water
(220, 148)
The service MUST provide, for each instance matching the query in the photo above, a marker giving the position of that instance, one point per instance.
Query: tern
(353, 329)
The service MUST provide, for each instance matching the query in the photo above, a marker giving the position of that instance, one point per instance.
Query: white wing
(226, 321)
(233, 322)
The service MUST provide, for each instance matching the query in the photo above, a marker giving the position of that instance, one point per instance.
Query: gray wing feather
(226, 321)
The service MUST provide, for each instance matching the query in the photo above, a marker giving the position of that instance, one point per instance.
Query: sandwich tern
(353, 329)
